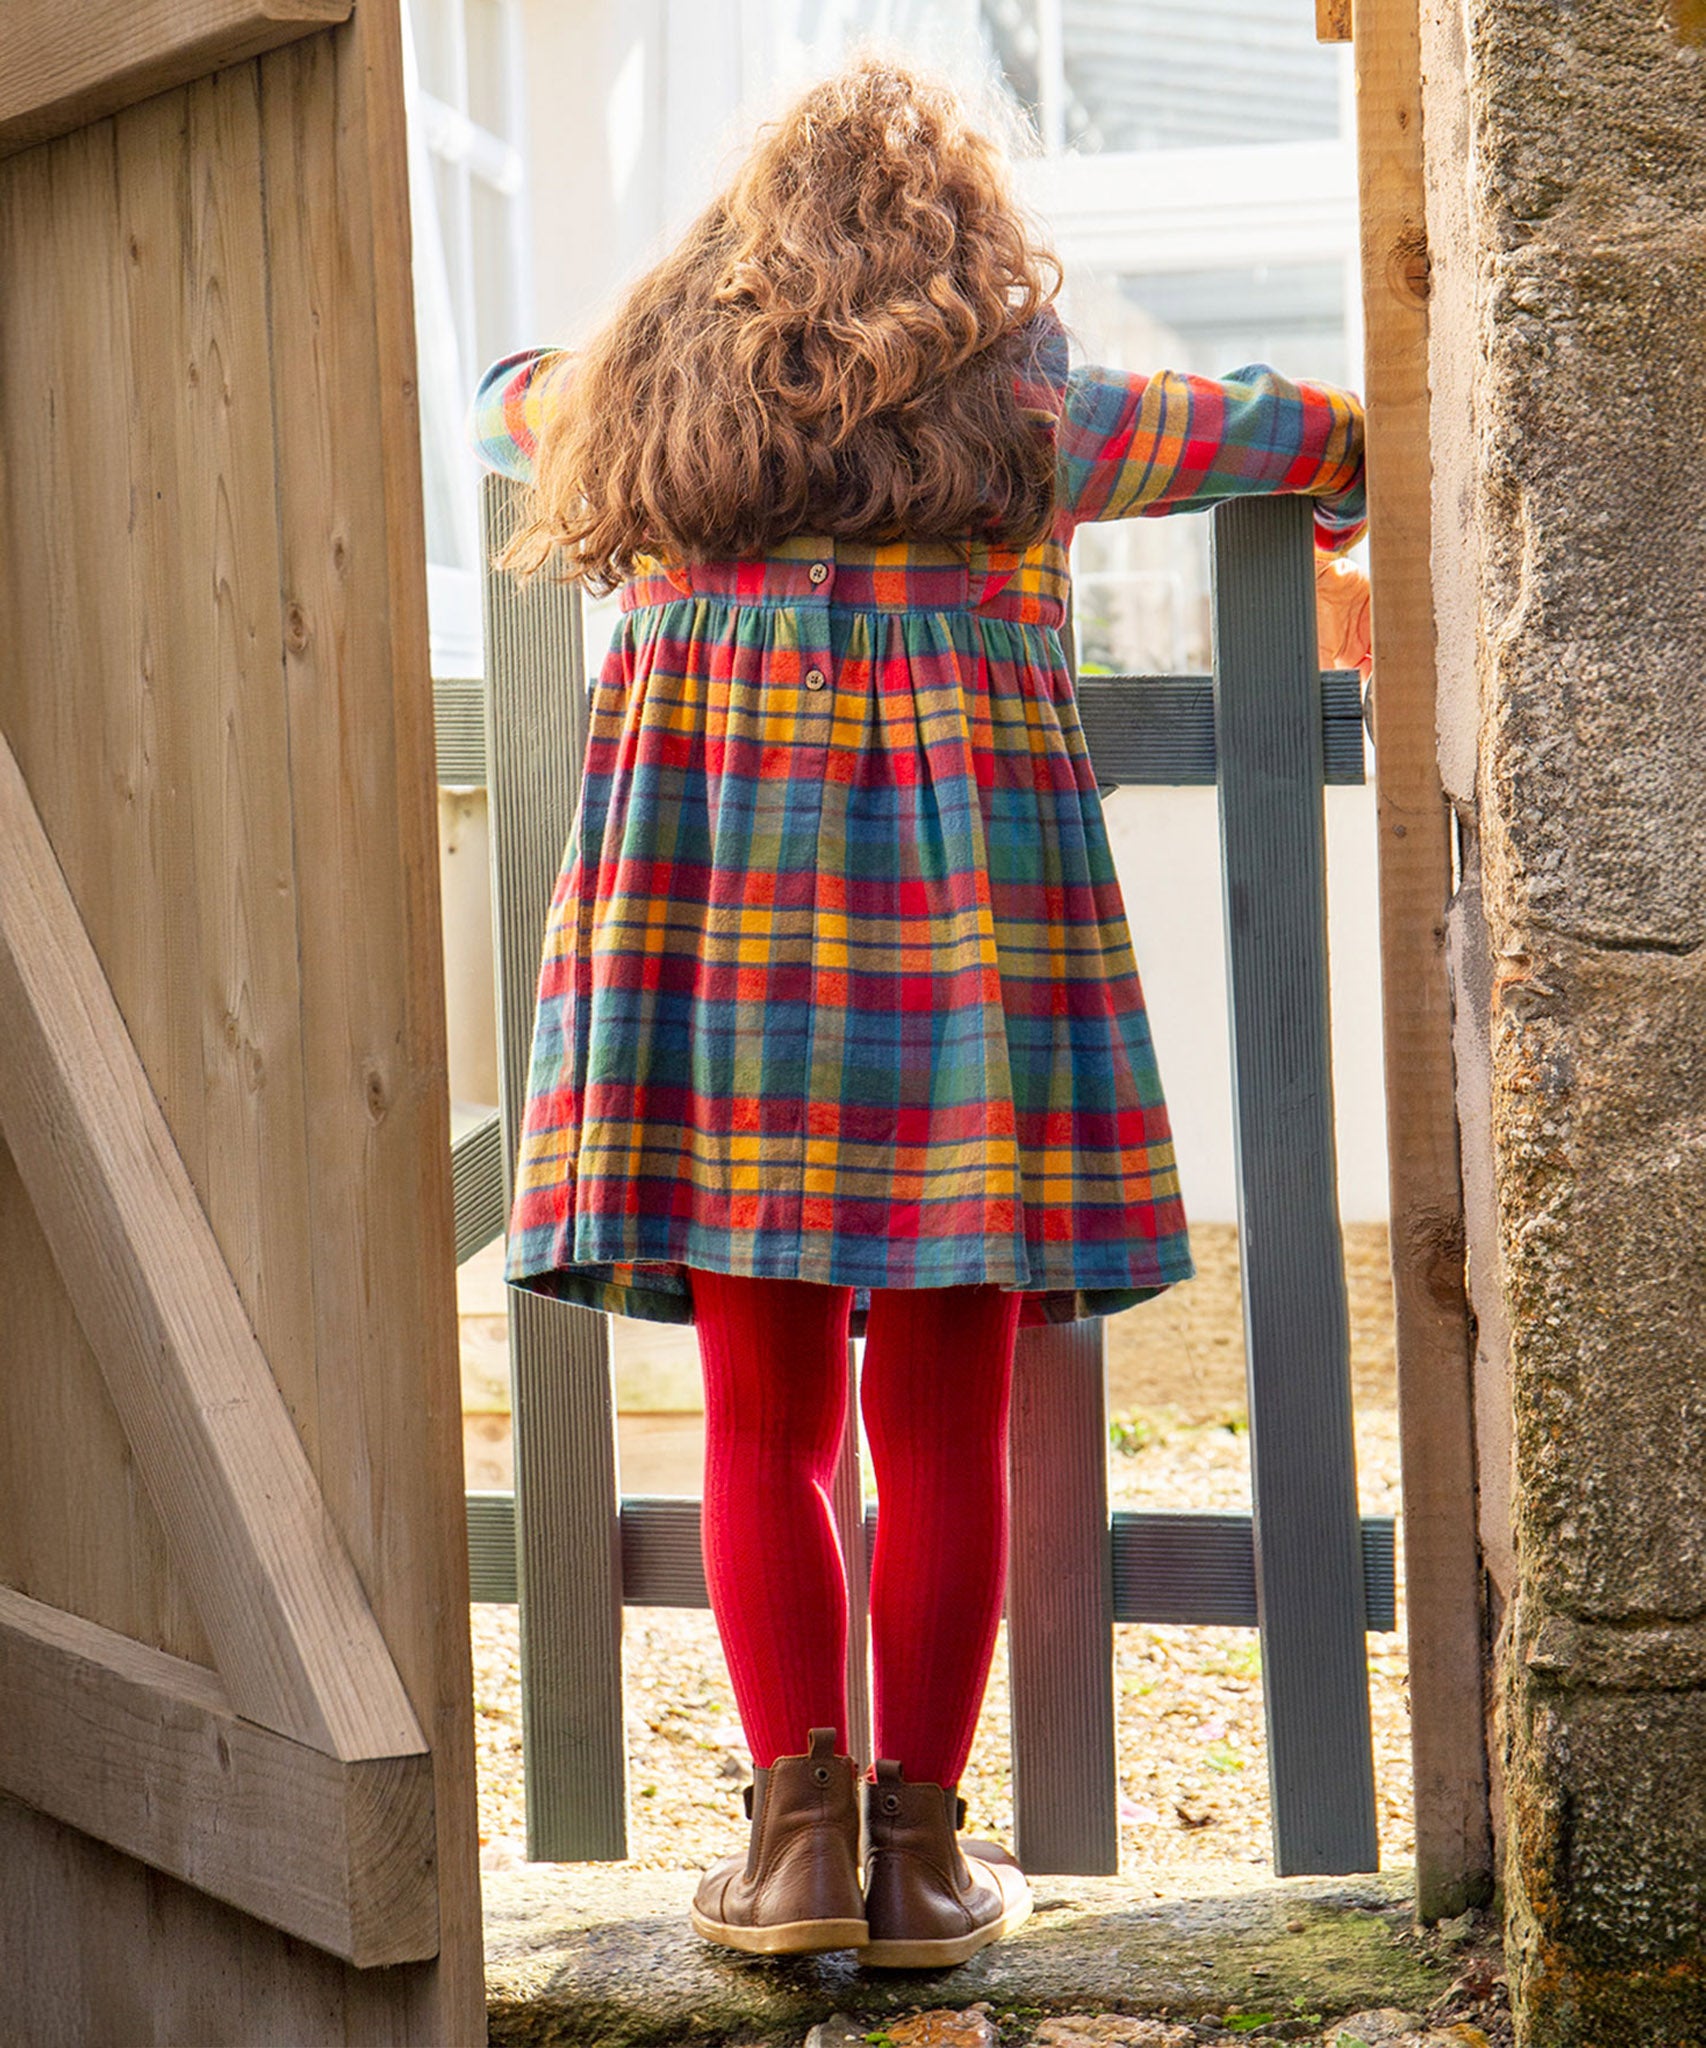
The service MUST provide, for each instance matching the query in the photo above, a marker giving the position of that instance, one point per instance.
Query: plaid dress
(837, 982)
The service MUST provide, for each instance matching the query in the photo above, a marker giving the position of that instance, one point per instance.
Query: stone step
(601, 1956)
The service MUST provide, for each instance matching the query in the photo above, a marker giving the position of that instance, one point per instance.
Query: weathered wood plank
(138, 1748)
(364, 800)
(1435, 1388)
(76, 1525)
(64, 67)
(275, 1589)
(220, 858)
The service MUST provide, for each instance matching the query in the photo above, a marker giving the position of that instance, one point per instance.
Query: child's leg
(774, 1354)
(934, 1393)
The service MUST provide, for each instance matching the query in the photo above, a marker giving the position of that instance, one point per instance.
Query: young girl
(838, 1023)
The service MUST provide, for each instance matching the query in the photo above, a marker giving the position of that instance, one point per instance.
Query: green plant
(1132, 1431)
(1247, 2022)
(1243, 1660)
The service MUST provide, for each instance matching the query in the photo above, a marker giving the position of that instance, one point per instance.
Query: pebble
(838, 2031)
(968, 2029)
(1111, 2030)
(1385, 2027)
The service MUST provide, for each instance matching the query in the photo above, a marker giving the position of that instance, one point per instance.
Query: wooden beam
(1435, 1385)
(274, 1587)
(143, 1751)
(62, 67)
(1332, 21)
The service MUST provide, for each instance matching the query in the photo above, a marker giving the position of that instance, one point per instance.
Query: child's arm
(511, 406)
(1133, 445)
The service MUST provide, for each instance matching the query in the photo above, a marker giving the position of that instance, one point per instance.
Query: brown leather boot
(796, 1889)
(930, 1900)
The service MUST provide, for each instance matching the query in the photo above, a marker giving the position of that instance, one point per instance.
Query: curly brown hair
(830, 349)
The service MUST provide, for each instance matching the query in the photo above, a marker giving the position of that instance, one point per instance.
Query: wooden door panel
(221, 1061)
(59, 1440)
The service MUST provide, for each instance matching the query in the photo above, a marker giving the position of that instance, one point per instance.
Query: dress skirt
(837, 983)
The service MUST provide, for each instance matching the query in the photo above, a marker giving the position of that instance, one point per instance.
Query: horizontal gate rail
(1157, 732)
(459, 730)
(477, 1182)
(1194, 1570)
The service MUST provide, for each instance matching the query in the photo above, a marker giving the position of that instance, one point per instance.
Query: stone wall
(1567, 145)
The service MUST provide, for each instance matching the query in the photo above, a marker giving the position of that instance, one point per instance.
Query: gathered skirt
(837, 982)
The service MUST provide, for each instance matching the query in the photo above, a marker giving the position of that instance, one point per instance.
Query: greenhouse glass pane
(1141, 585)
(1173, 74)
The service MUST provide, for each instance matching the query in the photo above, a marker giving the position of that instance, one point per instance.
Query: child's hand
(1341, 616)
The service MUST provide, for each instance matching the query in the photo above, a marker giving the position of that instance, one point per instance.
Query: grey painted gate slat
(1309, 1581)
(459, 728)
(477, 1185)
(849, 1504)
(1171, 1567)
(1060, 1605)
(568, 1529)
(1158, 731)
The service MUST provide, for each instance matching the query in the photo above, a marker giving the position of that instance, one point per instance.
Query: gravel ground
(1193, 1771)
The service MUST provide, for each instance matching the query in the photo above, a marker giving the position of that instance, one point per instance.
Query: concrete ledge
(589, 1956)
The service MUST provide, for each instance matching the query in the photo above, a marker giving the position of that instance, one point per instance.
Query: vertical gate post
(1060, 1605)
(849, 1505)
(1308, 1548)
(568, 1534)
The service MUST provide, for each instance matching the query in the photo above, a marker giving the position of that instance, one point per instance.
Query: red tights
(933, 1393)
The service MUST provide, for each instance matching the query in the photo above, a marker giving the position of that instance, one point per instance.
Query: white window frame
(463, 154)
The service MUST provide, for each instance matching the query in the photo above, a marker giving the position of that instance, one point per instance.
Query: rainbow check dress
(837, 982)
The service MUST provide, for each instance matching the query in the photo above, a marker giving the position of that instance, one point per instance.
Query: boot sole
(786, 1938)
(942, 1954)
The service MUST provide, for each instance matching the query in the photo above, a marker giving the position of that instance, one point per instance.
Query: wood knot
(296, 635)
(1435, 1245)
(1409, 268)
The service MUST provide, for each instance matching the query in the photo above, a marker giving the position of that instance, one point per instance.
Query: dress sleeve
(1139, 446)
(511, 406)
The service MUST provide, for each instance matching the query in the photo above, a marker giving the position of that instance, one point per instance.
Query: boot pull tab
(746, 1792)
(887, 1776)
(959, 1812)
(820, 1747)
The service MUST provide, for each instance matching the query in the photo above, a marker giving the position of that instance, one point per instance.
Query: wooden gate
(1302, 1566)
(235, 1727)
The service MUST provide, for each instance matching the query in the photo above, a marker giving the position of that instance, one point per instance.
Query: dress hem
(669, 1299)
